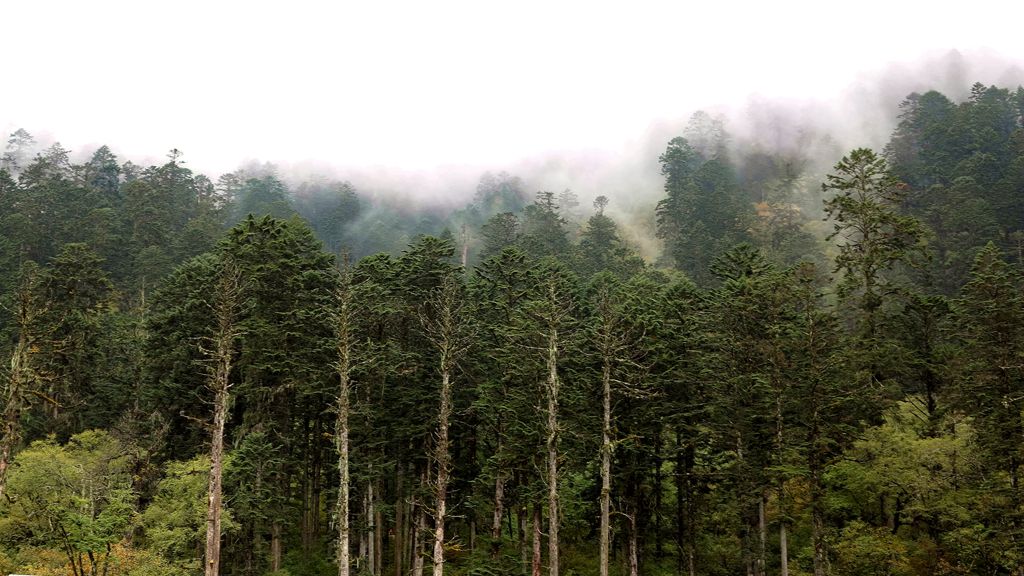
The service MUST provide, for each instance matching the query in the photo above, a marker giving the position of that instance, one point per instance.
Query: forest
(821, 372)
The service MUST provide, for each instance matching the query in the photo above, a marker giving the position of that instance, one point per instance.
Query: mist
(623, 165)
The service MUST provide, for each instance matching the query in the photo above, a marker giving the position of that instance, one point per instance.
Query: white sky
(428, 83)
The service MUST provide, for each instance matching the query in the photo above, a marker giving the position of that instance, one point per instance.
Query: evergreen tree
(19, 148)
(600, 247)
(544, 233)
(990, 318)
(499, 232)
(872, 235)
(702, 213)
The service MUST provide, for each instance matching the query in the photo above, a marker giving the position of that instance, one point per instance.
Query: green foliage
(77, 498)
(174, 522)
(873, 236)
(765, 386)
(600, 248)
(266, 196)
(863, 550)
(499, 232)
(703, 213)
(544, 233)
(915, 473)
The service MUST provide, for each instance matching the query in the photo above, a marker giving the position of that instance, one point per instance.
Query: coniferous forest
(820, 372)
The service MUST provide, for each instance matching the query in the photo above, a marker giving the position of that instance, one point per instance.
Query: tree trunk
(658, 546)
(371, 530)
(417, 542)
(341, 440)
(465, 248)
(275, 546)
(817, 518)
(364, 534)
(400, 516)
(443, 459)
(409, 556)
(227, 300)
(306, 484)
(472, 533)
(378, 534)
(552, 444)
(634, 564)
(606, 467)
(525, 549)
(690, 460)
(213, 492)
(762, 535)
(499, 510)
(535, 565)
(682, 500)
(783, 550)
(317, 487)
(779, 439)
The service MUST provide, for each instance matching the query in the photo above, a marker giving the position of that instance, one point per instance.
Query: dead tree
(227, 301)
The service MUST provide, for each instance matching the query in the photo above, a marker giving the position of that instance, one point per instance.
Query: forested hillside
(822, 372)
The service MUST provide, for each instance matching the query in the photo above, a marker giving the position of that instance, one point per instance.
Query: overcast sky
(417, 85)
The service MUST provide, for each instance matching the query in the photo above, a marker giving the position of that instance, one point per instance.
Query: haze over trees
(820, 373)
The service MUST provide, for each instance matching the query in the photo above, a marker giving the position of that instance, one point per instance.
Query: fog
(414, 101)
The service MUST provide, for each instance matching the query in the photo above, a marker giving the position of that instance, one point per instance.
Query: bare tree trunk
(411, 520)
(472, 533)
(213, 509)
(818, 536)
(417, 542)
(371, 536)
(400, 521)
(225, 310)
(465, 248)
(535, 564)
(762, 535)
(275, 545)
(318, 466)
(817, 520)
(524, 549)
(783, 550)
(606, 466)
(634, 563)
(378, 533)
(443, 469)
(690, 460)
(364, 534)
(499, 510)
(341, 428)
(552, 442)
